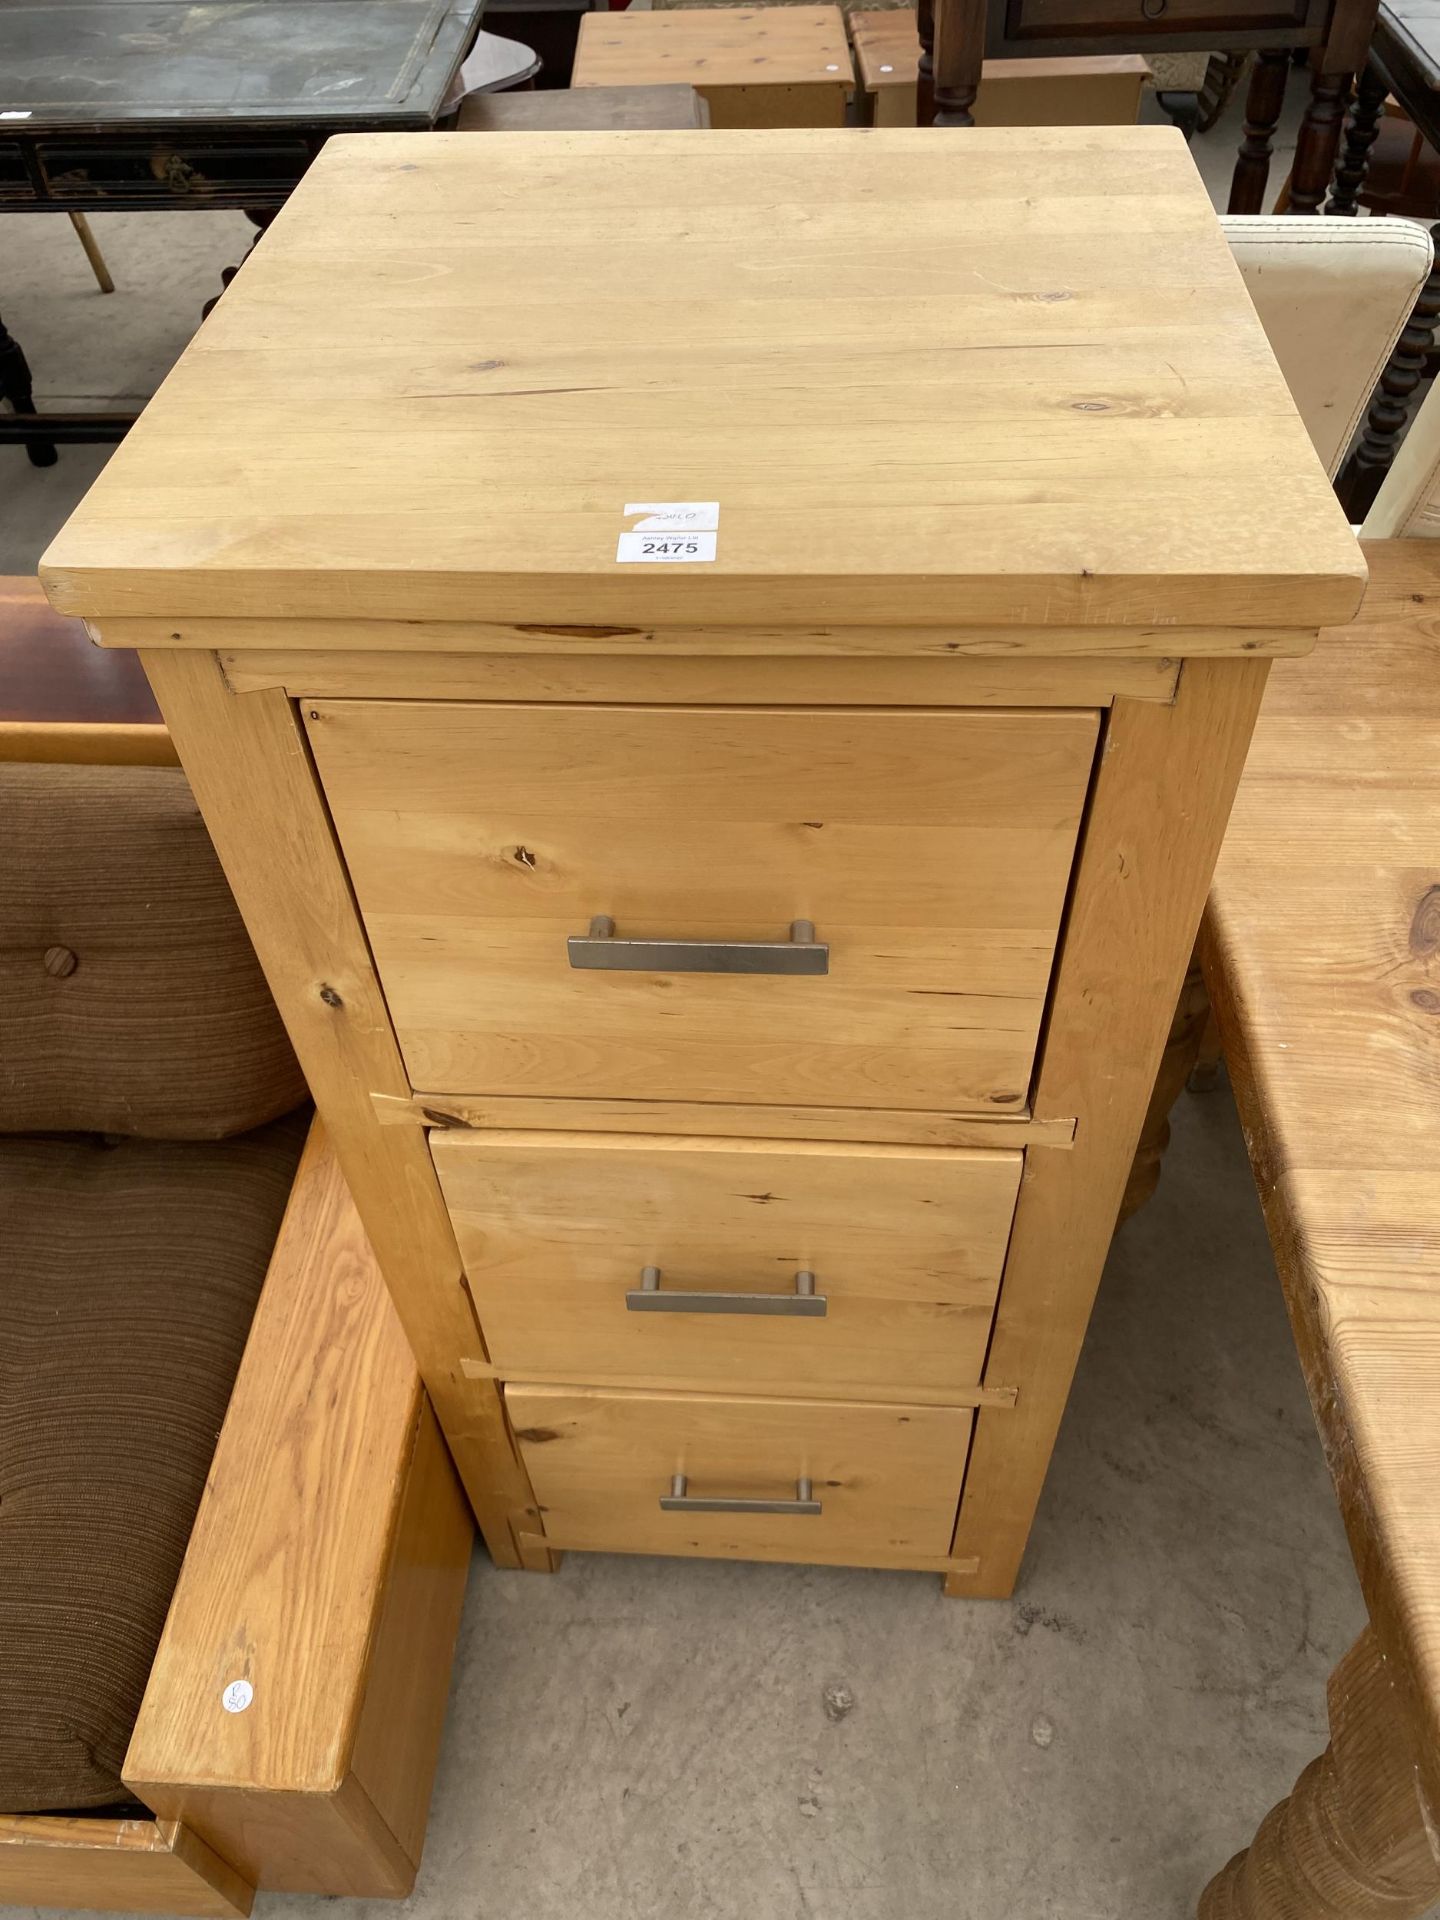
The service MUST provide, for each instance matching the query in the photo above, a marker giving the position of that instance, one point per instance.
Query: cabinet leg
(1390, 408)
(16, 387)
(1361, 133)
(1352, 1841)
(1263, 103)
(1319, 142)
(1182, 1049)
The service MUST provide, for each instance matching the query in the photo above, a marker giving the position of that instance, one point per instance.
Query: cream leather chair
(1407, 506)
(1333, 296)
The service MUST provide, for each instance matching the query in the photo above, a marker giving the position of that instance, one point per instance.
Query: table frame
(957, 36)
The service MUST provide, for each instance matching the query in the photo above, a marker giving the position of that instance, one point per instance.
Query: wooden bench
(1321, 951)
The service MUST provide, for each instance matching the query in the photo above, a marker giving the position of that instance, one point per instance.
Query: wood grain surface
(115, 1866)
(754, 66)
(246, 759)
(1167, 777)
(1323, 954)
(905, 1245)
(887, 1478)
(932, 850)
(1013, 380)
(326, 1568)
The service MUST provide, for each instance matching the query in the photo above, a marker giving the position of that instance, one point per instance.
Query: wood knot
(1425, 925)
(1426, 999)
(331, 997)
(60, 962)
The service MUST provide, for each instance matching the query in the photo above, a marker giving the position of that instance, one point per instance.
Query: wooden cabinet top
(1009, 377)
(715, 46)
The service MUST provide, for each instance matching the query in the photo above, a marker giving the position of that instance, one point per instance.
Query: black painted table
(138, 104)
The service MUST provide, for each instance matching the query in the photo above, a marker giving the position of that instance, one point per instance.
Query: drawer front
(139, 169)
(887, 1479)
(905, 1246)
(1059, 19)
(930, 851)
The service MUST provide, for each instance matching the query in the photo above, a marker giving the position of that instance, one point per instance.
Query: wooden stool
(588, 110)
(755, 66)
(1101, 91)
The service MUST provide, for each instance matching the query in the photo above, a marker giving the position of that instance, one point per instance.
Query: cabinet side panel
(247, 761)
(1166, 779)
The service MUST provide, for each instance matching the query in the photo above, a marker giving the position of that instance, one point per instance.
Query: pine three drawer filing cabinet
(716, 664)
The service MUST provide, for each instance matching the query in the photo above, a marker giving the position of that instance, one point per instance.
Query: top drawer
(930, 851)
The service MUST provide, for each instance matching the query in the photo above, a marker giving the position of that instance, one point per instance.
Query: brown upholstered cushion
(128, 1279)
(131, 1001)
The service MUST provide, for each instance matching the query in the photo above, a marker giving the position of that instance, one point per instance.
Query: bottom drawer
(884, 1481)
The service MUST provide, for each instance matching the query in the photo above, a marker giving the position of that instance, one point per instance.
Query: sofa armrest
(294, 1709)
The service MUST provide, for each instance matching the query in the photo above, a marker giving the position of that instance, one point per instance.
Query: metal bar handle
(602, 948)
(679, 1501)
(803, 1304)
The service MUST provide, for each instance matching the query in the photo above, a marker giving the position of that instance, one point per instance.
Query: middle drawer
(904, 1249)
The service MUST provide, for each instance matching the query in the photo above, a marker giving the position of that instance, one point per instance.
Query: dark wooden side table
(139, 104)
(958, 35)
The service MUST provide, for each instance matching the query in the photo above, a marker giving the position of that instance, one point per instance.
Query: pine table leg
(1352, 1842)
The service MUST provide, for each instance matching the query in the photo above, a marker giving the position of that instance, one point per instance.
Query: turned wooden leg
(1361, 132)
(1352, 1841)
(15, 386)
(1181, 1051)
(1319, 142)
(959, 56)
(259, 218)
(925, 79)
(1390, 408)
(1263, 103)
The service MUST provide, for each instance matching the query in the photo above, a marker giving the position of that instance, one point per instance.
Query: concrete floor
(670, 1740)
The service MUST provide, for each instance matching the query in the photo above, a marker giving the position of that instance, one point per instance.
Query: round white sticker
(237, 1696)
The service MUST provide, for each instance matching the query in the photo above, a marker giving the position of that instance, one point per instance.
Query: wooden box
(754, 66)
(726, 819)
(1096, 90)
